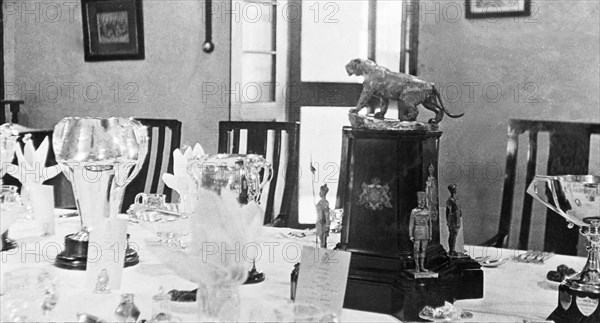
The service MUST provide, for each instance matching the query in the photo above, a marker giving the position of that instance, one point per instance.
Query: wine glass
(30, 295)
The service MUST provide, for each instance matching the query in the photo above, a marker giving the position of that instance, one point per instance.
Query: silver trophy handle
(268, 167)
(534, 191)
(140, 133)
(194, 171)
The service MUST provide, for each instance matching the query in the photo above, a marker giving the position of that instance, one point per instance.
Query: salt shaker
(161, 307)
(127, 311)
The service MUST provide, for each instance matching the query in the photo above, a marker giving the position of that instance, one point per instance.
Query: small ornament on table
(454, 221)
(127, 311)
(255, 275)
(161, 307)
(323, 217)
(420, 234)
(102, 283)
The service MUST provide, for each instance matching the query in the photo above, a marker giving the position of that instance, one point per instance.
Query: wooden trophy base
(380, 174)
(74, 257)
(576, 306)
(403, 294)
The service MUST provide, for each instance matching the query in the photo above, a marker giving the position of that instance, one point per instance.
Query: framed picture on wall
(497, 8)
(112, 29)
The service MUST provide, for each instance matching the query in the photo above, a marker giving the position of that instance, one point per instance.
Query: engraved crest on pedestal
(375, 196)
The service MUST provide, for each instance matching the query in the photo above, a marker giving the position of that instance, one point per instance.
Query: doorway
(325, 37)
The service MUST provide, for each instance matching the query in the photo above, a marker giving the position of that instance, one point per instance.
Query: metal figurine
(323, 217)
(431, 190)
(127, 311)
(453, 218)
(381, 85)
(420, 231)
(294, 281)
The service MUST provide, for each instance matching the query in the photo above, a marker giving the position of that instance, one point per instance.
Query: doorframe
(2, 51)
(338, 94)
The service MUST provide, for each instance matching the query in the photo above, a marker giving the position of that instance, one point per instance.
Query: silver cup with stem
(8, 142)
(100, 157)
(577, 199)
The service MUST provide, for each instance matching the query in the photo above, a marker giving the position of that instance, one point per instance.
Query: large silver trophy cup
(100, 157)
(8, 142)
(577, 199)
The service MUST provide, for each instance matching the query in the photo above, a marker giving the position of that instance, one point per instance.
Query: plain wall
(45, 67)
(546, 67)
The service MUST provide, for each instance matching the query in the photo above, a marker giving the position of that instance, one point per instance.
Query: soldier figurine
(453, 219)
(420, 231)
(432, 193)
(323, 217)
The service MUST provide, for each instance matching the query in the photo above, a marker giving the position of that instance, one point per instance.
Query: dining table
(513, 291)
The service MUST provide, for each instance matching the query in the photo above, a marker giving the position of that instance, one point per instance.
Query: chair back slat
(269, 210)
(568, 153)
(165, 150)
(509, 185)
(235, 142)
(164, 136)
(267, 138)
(224, 141)
(153, 139)
(528, 199)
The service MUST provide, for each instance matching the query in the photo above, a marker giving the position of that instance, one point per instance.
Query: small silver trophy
(245, 176)
(577, 199)
(100, 157)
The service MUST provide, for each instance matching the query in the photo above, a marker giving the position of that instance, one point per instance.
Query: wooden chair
(14, 106)
(164, 137)
(258, 142)
(63, 192)
(568, 154)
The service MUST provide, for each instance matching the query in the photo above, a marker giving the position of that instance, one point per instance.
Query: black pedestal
(574, 306)
(387, 168)
(74, 257)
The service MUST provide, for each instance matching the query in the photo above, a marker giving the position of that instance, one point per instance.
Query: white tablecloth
(512, 292)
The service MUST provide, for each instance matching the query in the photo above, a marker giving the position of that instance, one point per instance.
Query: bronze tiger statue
(382, 85)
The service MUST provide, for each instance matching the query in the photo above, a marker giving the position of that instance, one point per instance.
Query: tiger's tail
(439, 98)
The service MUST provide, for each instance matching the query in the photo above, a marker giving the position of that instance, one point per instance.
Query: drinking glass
(30, 295)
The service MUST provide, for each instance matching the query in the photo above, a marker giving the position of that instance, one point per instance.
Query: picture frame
(112, 30)
(497, 8)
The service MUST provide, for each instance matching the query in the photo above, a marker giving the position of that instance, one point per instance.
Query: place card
(42, 204)
(322, 279)
(106, 254)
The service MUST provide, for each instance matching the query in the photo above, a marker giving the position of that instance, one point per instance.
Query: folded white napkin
(31, 166)
(180, 180)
